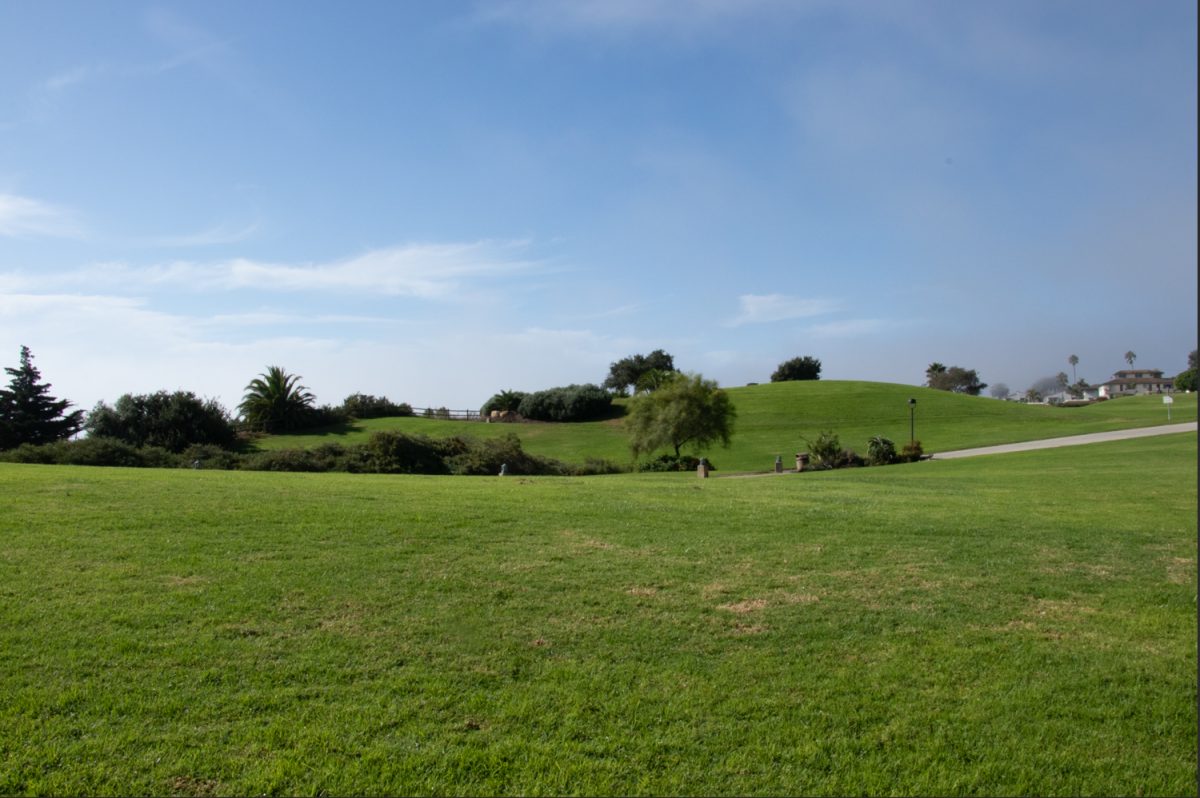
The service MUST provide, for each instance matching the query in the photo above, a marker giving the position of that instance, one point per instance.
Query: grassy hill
(776, 418)
(1016, 625)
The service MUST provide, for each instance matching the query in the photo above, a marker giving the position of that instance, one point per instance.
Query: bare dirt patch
(190, 785)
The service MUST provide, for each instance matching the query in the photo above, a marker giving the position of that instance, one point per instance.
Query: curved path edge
(1071, 440)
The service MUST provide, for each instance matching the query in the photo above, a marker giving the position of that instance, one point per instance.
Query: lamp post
(912, 421)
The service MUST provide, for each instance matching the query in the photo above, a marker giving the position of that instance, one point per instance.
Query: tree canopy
(275, 401)
(954, 378)
(628, 371)
(172, 421)
(28, 413)
(1186, 379)
(798, 368)
(686, 409)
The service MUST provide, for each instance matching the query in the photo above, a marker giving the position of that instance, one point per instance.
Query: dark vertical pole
(912, 421)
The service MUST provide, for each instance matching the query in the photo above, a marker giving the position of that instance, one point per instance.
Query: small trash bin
(702, 469)
(801, 461)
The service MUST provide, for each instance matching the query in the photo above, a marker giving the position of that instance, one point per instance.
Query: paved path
(1073, 440)
(1027, 446)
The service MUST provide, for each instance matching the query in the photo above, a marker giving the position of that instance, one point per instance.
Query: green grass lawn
(776, 418)
(1016, 624)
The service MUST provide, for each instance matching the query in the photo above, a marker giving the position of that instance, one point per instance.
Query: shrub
(881, 451)
(93, 452)
(485, 457)
(912, 452)
(569, 403)
(397, 453)
(323, 416)
(670, 462)
(172, 421)
(360, 405)
(206, 456)
(849, 459)
(592, 466)
(825, 450)
(505, 400)
(798, 368)
(301, 460)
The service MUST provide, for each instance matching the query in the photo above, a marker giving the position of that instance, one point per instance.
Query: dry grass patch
(185, 581)
(743, 607)
(189, 785)
(1181, 570)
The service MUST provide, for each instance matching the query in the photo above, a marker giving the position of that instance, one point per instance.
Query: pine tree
(28, 413)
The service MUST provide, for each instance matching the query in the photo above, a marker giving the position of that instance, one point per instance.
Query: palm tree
(275, 401)
(1130, 356)
(1074, 361)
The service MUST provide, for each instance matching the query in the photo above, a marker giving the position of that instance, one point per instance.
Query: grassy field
(1019, 624)
(776, 418)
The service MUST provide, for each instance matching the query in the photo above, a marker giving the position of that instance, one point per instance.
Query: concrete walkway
(1027, 446)
(1073, 440)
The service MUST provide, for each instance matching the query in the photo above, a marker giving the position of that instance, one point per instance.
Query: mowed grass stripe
(777, 418)
(1016, 624)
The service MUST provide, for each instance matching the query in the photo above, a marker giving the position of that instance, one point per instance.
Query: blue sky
(435, 201)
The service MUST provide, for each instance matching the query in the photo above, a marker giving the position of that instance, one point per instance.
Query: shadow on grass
(329, 434)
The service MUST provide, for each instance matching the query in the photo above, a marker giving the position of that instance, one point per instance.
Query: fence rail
(444, 414)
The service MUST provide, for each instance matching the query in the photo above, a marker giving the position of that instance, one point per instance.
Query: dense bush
(881, 451)
(825, 450)
(385, 452)
(322, 416)
(798, 368)
(671, 462)
(323, 458)
(848, 459)
(209, 457)
(360, 405)
(93, 452)
(172, 421)
(397, 453)
(911, 453)
(505, 400)
(595, 465)
(486, 456)
(569, 403)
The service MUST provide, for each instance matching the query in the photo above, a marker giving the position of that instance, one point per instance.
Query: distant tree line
(953, 378)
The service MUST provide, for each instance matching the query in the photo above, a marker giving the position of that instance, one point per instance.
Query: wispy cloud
(268, 318)
(70, 77)
(22, 217)
(423, 271)
(764, 308)
(213, 236)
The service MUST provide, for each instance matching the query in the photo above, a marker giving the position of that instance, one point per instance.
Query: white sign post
(1168, 401)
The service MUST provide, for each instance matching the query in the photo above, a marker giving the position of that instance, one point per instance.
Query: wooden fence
(447, 415)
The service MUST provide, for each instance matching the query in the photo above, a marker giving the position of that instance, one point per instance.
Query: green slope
(776, 418)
